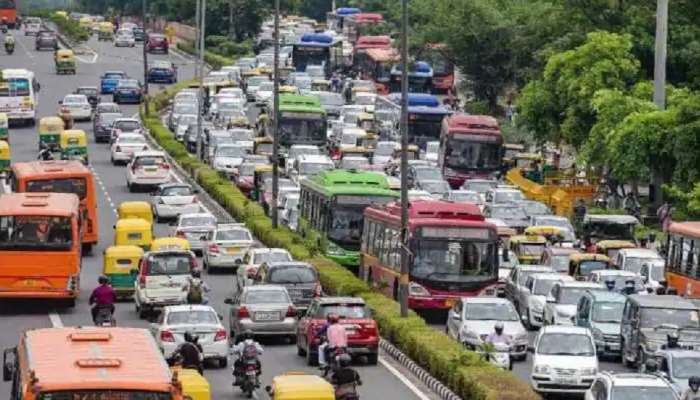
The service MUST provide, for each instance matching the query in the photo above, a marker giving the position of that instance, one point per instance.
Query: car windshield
(535, 208)
(510, 212)
(310, 168)
(192, 317)
(149, 161)
(187, 119)
(292, 274)
(586, 267)
(685, 366)
(364, 100)
(634, 264)
(543, 286)
(131, 139)
(642, 393)
(128, 84)
(565, 344)
(266, 87)
(169, 264)
(198, 221)
(506, 196)
(558, 222)
(77, 99)
(621, 279)
(531, 249)
(231, 151)
(177, 191)
(428, 174)
(127, 126)
(435, 187)
(354, 163)
(454, 260)
(233, 234)
(523, 275)
(490, 311)
(571, 295)
(608, 311)
(114, 75)
(302, 127)
(185, 108)
(294, 152)
(479, 187)
(349, 311)
(653, 317)
(604, 230)
(266, 297)
(87, 91)
(657, 272)
(35, 232)
(560, 263)
(385, 149)
(465, 197)
(271, 256)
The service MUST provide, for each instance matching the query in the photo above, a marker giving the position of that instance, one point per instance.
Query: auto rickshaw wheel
(87, 248)
(300, 352)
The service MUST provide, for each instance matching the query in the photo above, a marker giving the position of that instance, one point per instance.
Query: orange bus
(8, 12)
(40, 246)
(682, 266)
(89, 364)
(62, 177)
(375, 65)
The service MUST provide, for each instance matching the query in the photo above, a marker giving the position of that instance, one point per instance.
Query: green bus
(331, 208)
(302, 120)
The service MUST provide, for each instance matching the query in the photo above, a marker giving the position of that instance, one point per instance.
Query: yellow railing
(559, 192)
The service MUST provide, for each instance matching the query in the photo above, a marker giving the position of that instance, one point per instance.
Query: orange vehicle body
(92, 363)
(682, 264)
(39, 176)
(375, 65)
(52, 274)
(9, 14)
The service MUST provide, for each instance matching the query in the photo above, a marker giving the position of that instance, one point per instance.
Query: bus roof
(383, 54)
(48, 204)
(350, 182)
(97, 358)
(8, 73)
(418, 69)
(50, 169)
(474, 124)
(345, 11)
(316, 39)
(691, 229)
(367, 18)
(433, 212)
(368, 42)
(300, 103)
(420, 103)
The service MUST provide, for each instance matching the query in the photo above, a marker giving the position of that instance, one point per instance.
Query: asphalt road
(386, 380)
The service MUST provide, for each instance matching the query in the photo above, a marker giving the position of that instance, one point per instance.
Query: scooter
(9, 48)
(498, 355)
(104, 317)
(333, 365)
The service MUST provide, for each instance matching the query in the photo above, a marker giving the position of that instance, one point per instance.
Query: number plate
(151, 169)
(267, 316)
(233, 250)
(567, 381)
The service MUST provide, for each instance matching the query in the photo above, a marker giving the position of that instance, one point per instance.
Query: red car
(363, 336)
(157, 43)
(243, 177)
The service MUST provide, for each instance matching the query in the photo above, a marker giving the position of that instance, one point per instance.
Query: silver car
(195, 228)
(300, 279)
(266, 310)
(227, 245)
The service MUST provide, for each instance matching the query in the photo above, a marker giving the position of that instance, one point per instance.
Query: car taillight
(291, 311)
(243, 312)
(165, 166)
(180, 234)
(220, 335)
(195, 200)
(142, 281)
(213, 248)
(166, 336)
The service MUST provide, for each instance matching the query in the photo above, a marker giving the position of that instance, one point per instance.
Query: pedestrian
(664, 213)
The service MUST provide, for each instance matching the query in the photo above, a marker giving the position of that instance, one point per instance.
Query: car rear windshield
(149, 161)
(292, 274)
(192, 317)
(127, 126)
(177, 191)
(233, 234)
(114, 75)
(275, 256)
(169, 264)
(266, 297)
(131, 139)
(566, 344)
(87, 91)
(350, 311)
(198, 221)
(642, 393)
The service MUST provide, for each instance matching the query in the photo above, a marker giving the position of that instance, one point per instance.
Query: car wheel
(372, 359)
(223, 361)
(311, 358)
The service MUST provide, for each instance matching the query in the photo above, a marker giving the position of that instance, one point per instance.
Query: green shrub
(71, 29)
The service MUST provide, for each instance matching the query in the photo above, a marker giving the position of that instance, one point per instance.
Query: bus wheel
(70, 303)
(87, 248)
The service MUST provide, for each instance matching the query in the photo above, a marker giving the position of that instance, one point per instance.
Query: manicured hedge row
(215, 60)
(447, 360)
(70, 28)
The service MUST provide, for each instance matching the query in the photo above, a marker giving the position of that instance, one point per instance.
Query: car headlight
(589, 371)
(597, 334)
(542, 369)
(417, 290)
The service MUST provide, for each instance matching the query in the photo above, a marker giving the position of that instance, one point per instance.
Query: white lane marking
(104, 190)
(27, 52)
(403, 379)
(55, 320)
(95, 56)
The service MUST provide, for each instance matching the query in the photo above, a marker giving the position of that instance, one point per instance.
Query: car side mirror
(531, 349)
(228, 300)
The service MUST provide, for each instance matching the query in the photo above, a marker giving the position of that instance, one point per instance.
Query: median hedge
(70, 28)
(215, 60)
(463, 371)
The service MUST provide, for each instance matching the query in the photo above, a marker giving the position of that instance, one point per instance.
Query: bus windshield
(35, 232)
(306, 128)
(467, 154)
(424, 128)
(309, 55)
(454, 260)
(347, 220)
(106, 394)
(14, 87)
(76, 186)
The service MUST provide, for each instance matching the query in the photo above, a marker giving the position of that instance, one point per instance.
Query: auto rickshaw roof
(301, 387)
(64, 53)
(528, 239)
(133, 223)
(579, 257)
(132, 205)
(544, 230)
(168, 243)
(53, 120)
(615, 244)
(73, 132)
(123, 251)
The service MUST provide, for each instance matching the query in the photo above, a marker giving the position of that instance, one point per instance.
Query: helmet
(694, 383)
(196, 273)
(344, 360)
(247, 334)
(103, 280)
(498, 327)
(672, 339)
(651, 366)
(333, 318)
(610, 283)
(189, 337)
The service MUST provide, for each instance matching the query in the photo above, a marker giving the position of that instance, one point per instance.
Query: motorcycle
(498, 354)
(104, 317)
(248, 372)
(9, 48)
(333, 365)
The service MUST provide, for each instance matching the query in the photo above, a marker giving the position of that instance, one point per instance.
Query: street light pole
(660, 54)
(145, 60)
(202, 29)
(275, 115)
(195, 44)
(403, 282)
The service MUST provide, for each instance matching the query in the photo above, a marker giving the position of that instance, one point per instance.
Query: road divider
(464, 372)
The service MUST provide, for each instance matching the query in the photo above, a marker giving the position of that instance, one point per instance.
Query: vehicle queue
(603, 296)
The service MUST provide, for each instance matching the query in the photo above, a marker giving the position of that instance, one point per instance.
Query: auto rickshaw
(289, 89)
(170, 243)
(106, 31)
(5, 158)
(4, 127)
(194, 385)
(65, 61)
(582, 264)
(300, 386)
(85, 22)
(262, 146)
(553, 234)
(505, 233)
(73, 145)
(261, 173)
(610, 248)
(133, 231)
(321, 85)
(600, 227)
(412, 152)
(50, 129)
(510, 150)
(528, 248)
(119, 262)
(367, 122)
(135, 209)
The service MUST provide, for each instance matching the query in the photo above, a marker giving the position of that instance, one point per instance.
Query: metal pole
(660, 54)
(145, 61)
(203, 16)
(275, 115)
(231, 32)
(333, 5)
(403, 283)
(195, 45)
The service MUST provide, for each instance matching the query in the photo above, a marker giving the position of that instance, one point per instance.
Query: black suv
(46, 40)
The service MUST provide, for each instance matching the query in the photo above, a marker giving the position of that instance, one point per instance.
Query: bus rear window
(77, 186)
(14, 88)
(105, 394)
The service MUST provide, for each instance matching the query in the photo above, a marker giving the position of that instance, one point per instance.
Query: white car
(200, 320)
(32, 26)
(465, 196)
(290, 211)
(384, 152)
(162, 280)
(627, 385)
(227, 244)
(125, 146)
(309, 165)
(264, 92)
(502, 195)
(472, 319)
(126, 125)
(297, 150)
(147, 169)
(431, 151)
(563, 299)
(227, 157)
(78, 106)
(184, 121)
(253, 258)
(367, 100)
(233, 92)
(124, 38)
(564, 360)
(633, 259)
(533, 299)
(600, 276)
(195, 228)
(173, 199)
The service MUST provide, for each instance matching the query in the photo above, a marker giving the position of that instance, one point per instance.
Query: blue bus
(425, 115)
(420, 78)
(335, 19)
(317, 49)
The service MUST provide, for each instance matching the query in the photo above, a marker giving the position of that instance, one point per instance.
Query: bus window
(22, 233)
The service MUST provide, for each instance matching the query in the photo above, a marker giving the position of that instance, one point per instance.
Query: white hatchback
(147, 169)
(77, 105)
(228, 243)
(124, 147)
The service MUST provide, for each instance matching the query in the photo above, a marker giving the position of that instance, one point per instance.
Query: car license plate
(151, 169)
(267, 316)
(233, 250)
(567, 380)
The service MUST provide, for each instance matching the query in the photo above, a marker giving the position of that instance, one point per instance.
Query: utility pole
(403, 282)
(659, 93)
(195, 44)
(231, 31)
(145, 59)
(202, 29)
(275, 115)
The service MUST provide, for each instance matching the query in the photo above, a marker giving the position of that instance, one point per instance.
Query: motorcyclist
(671, 341)
(102, 296)
(610, 284)
(45, 153)
(239, 350)
(196, 288)
(345, 379)
(629, 288)
(693, 391)
(631, 205)
(9, 43)
(336, 337)
(497, 336)
(190, 353)
(651, 366)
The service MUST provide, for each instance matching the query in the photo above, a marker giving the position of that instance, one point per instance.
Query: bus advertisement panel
(40, 246)
(453, 252)
(302, 120)
(425, 115)
(471, 147)
(18, 97)
(683, 258)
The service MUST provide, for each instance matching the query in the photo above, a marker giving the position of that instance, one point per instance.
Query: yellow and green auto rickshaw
(528, 248)
(135, 209)
(300, 386)
(321, 85)
(50, 129)
(4, 127)
(582, 264)
(134, 232)
(73, 145)
(170, 243)
(5, 158)
(262, 146)
(194, 385)
(261, 173)
(106, 31)
(85, 22)
(367, 122)
(119, 265)
(553, 234)
(65, 61)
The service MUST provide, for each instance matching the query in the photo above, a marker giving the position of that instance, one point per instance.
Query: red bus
(8, 12)
(375, 65)
(454, 252)
(471, 146)
(443, 68)
(356, 25)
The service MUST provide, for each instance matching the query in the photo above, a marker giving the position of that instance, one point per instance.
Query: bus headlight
(417, 290)
(334, 250)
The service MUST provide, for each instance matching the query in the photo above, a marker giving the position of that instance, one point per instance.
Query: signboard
(360, 200)
(456, 233)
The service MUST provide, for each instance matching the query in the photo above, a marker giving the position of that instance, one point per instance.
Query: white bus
(18, 95)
